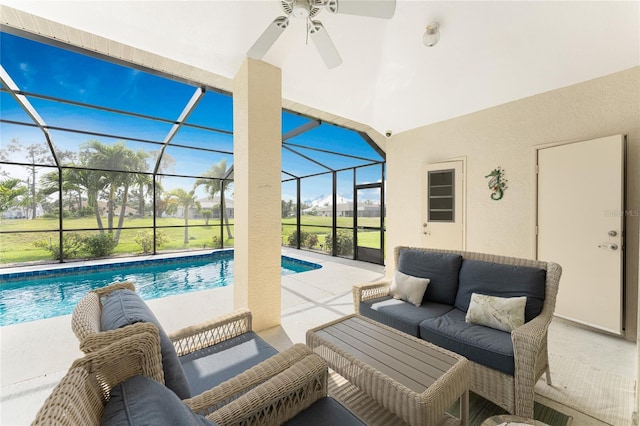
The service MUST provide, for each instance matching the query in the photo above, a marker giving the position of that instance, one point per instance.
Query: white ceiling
(489, 53)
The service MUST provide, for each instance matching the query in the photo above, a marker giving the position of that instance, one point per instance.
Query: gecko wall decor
(497, 183)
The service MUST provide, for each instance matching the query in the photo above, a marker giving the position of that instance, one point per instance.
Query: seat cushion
(440, 268)
(143, 401)
(325, 411)
(125, 307)
(483, 345)
(402, 315)
(213, 365)
(496, 279)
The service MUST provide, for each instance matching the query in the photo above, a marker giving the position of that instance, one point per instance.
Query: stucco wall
(506, 136)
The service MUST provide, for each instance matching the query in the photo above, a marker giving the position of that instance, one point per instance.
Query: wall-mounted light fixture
(431, 35)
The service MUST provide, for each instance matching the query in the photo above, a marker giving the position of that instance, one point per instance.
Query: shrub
(344, 242)
(85, 212)
(306, 239)
(145, 240)
(99, 245)
(71, 245)
(293, 238)
(311, 241)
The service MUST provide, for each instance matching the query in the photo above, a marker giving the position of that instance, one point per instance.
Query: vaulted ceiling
(490, 52)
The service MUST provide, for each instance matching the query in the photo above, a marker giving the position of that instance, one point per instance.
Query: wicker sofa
(122, 383)
(505, 366)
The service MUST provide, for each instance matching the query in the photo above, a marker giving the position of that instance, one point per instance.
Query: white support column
(257, 129)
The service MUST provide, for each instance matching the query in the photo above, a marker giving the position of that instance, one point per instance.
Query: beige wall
(506, 136)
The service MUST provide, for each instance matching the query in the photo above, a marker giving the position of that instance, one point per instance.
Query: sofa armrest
(80, 395)
(96, 341)
(530, 356)
(219, 329)
(222, 394)
(85, 319)
(280, 398)
(367, 291)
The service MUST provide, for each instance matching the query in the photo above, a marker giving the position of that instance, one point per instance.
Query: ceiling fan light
(431, 35)
(301, 9)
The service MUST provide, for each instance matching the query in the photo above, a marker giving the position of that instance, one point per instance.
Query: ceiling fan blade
(325, 46)
(374, 8)
(268, 37)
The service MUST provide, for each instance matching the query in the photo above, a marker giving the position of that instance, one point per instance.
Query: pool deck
(35, 355)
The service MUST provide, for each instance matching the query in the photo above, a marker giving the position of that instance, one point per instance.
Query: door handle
(609, 246)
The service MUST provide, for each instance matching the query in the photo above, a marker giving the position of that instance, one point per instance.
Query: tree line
(113, 174)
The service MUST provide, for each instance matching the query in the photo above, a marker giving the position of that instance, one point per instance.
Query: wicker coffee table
(412, 378)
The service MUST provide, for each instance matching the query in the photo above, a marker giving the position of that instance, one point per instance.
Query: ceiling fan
(308, 9)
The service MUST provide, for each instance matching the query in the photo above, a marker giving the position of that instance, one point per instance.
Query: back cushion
(125, 307)
(440, 268)
(143, 401)
(496, 279)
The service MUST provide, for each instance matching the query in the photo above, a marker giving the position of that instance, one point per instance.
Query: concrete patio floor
(35, 355)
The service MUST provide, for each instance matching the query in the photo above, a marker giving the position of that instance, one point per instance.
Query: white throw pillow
(408, 288)
(502, 313)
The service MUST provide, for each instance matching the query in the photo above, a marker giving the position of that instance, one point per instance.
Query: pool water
(56, 292)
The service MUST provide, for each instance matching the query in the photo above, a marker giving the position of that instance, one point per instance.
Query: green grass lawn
(19, 247)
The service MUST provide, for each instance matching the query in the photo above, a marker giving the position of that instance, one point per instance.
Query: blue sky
(52, 71)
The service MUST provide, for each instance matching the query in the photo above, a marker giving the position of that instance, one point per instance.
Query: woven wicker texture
(514, 393)
(279, 399)
(297, 378)
(85, 320)
(86, 323)
(80, 396)
(417, 408)
(221, 395)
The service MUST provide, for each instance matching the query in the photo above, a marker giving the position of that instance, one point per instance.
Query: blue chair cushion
(324, 412)
(496, 279)
(402, 315)
(142, 401)
(441, 268)
(483, 345)
(125, 307)
(213, 365)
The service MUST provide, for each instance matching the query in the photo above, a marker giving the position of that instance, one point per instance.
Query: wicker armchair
(513, 393)
(80, 397)
(85, 323)
(87, 327)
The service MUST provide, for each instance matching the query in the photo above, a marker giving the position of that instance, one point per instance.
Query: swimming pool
(30, 296)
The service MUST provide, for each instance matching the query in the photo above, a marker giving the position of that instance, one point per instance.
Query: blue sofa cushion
(495, 279)
(401, 315)
(323, 412)
(211, 366)
(441, 268)
(483, 345)
(143, 401)
(125, 307)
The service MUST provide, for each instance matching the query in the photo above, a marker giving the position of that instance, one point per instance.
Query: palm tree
(186, 200)
(10, 191)
(118, 163)
(213, 184)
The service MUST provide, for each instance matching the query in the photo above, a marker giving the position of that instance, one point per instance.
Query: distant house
(21, 212)
(128, 211)
(344, 210)
(209, 204)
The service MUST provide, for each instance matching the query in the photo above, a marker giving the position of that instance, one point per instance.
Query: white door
(443, 205)
(580, 226)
